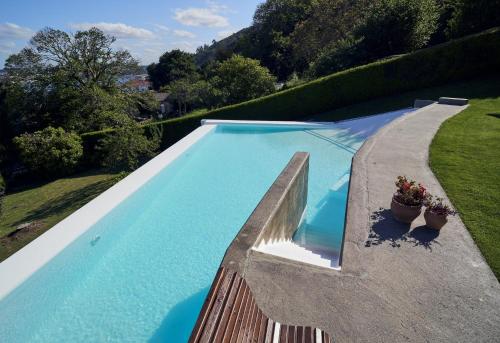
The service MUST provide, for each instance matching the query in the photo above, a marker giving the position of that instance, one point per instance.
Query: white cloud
(224, 34)
(185, 46)
(201, 17)
(162, 28)
(13, 31)
(118, 30)
(7, 47)
(184, 34)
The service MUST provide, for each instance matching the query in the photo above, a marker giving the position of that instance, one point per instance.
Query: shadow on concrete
(386, 229)
(423, 236)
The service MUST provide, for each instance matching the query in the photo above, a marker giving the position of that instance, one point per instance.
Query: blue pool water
(145, 279)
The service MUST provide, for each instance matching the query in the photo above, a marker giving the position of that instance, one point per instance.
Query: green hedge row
(460, 59)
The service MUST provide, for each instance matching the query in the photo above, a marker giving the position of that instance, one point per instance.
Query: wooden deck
(230, 314)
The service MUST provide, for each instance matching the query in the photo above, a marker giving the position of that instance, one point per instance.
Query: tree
(471, 16)
(127, 148)
(329, 22)
(2, 181)
(173, 65)
(83, 60)
(188, 94)
(340, 55)
(62, 80)
(239, 79)
(269, 40)
(397, 26)
(50, 152)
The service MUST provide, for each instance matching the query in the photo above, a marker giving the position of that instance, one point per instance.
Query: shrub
(239, 79)
(461, 59)
(127, 148)
(50, 152)
(398, 26)
(472, 16)
(342, 54)
(2, 192)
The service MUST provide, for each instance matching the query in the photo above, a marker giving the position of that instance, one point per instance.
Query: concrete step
(293, 251)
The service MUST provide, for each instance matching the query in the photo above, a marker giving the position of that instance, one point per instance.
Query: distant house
(139, 85)
(165, 106)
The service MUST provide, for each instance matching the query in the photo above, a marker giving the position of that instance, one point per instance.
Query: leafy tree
(172, 65)
(62, 80)
(127, 148)
(189, 94)
(397, 26)
(2, 181)
(239, 79)
(269, 41)
(2, 193)
(330, 21)
(50, 152)
(83, 60)
(471, 16)
(340, 55)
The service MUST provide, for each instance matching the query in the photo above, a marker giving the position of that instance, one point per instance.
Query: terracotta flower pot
(434, 220)
(405, 213)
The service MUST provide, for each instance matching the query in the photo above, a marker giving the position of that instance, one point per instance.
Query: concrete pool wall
(278, 214)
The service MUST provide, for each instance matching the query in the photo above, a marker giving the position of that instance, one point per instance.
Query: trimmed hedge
(460, 59)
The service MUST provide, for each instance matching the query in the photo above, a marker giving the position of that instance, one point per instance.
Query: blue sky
(147, 28)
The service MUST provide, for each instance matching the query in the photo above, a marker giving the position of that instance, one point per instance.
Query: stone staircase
(294, 251)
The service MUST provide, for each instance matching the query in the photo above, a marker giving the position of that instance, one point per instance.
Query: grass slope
(44, 206)
(465, 157)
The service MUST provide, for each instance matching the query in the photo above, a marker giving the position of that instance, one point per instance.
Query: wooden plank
(244, 322)
(269, 331)
(217, 308)
(263, 327)
(228, 308)
(308, 335)
(300, 334)
(283, 334)
(252, 321)
(205, 310)
(257, 327)
(233, 320)
(291, 334)
(317, 336)
(326, 337)
(239, 318)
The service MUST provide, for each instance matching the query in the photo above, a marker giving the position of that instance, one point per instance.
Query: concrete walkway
(397, 283)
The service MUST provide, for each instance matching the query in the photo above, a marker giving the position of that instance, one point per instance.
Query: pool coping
(263, 123)
(25, 262)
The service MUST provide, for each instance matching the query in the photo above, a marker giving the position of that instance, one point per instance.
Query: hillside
(209, 53)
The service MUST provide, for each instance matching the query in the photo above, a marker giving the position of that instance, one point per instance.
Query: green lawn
(44, 206)
(465, 155)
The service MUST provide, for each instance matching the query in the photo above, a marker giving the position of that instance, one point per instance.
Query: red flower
(406, 186)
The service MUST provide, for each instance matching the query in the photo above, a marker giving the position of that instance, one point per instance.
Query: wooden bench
(230, 314)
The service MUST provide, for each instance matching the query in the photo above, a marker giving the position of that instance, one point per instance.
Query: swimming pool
(142, 271)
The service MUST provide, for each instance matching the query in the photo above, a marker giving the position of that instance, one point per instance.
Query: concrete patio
(397, 283)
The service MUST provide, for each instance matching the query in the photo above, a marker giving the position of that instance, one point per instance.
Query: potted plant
(437, 212)
(407, 202)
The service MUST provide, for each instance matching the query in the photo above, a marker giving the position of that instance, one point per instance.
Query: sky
(147, 28)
